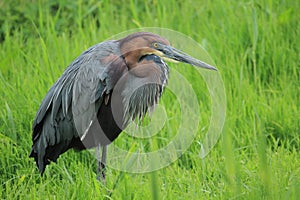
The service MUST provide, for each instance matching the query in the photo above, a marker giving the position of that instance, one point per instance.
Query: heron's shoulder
(105, 48)
(96, 53)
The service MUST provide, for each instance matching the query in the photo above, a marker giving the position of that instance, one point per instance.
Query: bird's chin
(170, 60)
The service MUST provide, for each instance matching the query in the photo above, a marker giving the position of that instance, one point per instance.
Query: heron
(104, 89)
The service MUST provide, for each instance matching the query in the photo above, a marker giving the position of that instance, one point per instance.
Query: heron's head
(137, 45)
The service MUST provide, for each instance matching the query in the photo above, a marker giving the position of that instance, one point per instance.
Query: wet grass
(255, 45)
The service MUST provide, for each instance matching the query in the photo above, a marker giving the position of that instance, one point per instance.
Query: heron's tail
(38, 151)
(48, 144)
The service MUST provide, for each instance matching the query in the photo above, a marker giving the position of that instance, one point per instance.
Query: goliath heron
(81, 112)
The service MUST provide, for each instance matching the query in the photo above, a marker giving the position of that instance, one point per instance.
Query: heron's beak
(174, 55)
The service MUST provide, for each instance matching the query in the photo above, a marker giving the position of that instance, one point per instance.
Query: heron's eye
(155, 45)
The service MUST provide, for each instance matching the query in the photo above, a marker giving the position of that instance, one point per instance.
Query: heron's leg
(102, 163)
(98, 161)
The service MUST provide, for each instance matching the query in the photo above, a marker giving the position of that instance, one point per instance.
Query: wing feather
(72, 103)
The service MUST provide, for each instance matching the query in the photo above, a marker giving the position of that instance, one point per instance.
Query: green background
(255, 45)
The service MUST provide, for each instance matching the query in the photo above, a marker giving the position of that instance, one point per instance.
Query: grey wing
(87, 95)
(93, 82)
(73, 99)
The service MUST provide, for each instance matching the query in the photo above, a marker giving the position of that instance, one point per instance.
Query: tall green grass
(255, 45)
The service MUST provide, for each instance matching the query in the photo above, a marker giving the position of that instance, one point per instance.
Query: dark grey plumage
(74, 98)
(106, 87)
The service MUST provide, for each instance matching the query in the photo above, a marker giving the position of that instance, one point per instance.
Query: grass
(255, 45)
